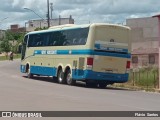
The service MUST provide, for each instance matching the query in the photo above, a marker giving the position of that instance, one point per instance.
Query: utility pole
(59, 20)
(51, 7)
(48, 15)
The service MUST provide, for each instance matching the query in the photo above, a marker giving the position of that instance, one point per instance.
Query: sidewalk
(136, 88)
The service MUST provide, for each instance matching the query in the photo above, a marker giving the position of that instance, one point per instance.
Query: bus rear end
(110, 62)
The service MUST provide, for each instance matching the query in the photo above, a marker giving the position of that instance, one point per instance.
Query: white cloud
(15, 2)
(84, 11)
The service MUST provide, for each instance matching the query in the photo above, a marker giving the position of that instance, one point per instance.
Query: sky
(82, 11)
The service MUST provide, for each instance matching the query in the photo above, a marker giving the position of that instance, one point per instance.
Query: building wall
(143, 60)
(15, 26)
(144, 33)
(33, 24)
(145, 44)
(2, 34)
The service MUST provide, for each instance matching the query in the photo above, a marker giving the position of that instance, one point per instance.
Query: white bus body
(96, 53)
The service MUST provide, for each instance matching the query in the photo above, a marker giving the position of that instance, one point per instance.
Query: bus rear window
(110, 38)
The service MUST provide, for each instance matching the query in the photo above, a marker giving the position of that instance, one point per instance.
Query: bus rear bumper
(99, 76)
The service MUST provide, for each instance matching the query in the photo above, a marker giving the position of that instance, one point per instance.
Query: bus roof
(108, 24)
(74, 26)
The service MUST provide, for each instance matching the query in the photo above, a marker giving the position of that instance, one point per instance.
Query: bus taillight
(89, 61)
(128, 64)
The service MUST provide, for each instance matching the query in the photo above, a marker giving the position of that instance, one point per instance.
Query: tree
(15, 38)
(44, 28)
(9, 35)
(19, 43)
(5, 46)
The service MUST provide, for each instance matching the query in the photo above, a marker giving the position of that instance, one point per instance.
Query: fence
(144, 77)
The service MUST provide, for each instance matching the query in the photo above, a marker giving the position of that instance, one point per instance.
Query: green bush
(145, 77)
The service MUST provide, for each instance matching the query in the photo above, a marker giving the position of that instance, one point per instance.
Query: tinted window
(54, 38)
(33, 40)
(59, 38)
(45, 38)
(75, 37)
(38, 40)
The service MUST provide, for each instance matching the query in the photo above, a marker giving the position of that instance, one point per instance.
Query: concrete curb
(137, 88)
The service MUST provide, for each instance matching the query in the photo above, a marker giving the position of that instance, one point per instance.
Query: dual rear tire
(66, 77)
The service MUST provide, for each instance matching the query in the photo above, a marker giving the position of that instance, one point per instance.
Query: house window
(134, 59)
(31, 25)
(151, 59)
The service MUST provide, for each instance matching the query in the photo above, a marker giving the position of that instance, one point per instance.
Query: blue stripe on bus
(80, 74)
(63, 52)
(81, 52)
(46, 71)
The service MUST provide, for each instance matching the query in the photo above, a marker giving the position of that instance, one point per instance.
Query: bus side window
(38, 41)
(50, 41)
(45, 37)
(74, 41)
(82, 41)
(54, 43)
(30, 41)
(54, 38)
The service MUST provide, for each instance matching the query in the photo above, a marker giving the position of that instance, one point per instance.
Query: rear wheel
(60, 77)
(68, 78)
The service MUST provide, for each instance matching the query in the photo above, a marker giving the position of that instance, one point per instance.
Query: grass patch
(147, 78)
(17, 56)
(142, 79)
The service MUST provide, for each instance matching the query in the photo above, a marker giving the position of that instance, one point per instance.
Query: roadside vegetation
(145, 78)
(11, 43)
(16, 56)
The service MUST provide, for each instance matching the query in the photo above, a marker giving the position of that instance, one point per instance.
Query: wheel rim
(60, 77)
(68, 78)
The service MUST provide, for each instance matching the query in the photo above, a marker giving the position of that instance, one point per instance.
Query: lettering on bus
(51, 52)
(44, 52)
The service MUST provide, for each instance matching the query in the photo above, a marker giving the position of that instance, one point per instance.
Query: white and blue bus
(98, 54)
